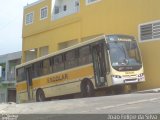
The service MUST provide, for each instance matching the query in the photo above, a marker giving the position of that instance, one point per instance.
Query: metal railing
(66, 13)
(11, 76)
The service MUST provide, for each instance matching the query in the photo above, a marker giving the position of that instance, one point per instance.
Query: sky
(11, 18)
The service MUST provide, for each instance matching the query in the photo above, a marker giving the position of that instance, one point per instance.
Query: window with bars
(29, 18)
(43, 13)
(91, 1)
(149, 31)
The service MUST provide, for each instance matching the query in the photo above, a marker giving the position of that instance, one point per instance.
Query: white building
(7, 76)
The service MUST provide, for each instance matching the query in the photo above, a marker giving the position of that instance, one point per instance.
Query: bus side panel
(63, 83)
(62, 89)
(21, 89)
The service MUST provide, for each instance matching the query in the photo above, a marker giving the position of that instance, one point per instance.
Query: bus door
(29, 82)
(99, 64)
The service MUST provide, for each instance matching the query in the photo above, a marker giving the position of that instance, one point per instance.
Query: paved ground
(136, 103)
(129, 103)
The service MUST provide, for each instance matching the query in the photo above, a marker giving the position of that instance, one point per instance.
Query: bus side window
(52, 64)
(40, 68)
(20, 74)
(46, 67)
(36, 67)
(58, 63)
(107, 59)
(85, 56)
(71, 59)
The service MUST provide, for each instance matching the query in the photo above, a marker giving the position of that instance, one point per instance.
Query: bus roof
(62, 51)
(70, 48)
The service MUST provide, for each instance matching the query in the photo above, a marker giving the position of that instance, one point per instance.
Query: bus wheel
(40, 96)
(87, 89)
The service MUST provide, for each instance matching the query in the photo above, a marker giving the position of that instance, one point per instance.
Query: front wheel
(40, 96)
(87, 89)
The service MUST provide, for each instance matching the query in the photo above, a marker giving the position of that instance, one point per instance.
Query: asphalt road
(137, 103)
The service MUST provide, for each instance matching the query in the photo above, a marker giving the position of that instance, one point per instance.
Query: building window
(88, 2)
(43, 13)
(43, 51)
(56, 9)
(29, 18)
(149, 31)
(64, 7)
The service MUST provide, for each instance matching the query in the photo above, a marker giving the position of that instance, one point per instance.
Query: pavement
(127, 103)
(156, 90)
(135, 103)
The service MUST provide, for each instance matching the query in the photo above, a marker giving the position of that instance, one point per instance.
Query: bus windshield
(124, 55)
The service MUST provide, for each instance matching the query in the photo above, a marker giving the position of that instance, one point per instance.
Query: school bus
(106, 61)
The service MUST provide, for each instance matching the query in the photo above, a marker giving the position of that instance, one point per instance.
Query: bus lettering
(58, 78)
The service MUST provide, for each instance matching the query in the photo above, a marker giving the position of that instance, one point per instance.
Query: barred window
(29, 18)
(91, 1)
(43, 13)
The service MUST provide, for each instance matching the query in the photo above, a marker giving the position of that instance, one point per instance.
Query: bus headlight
(116, 76)
(117, 79)
(141, 77)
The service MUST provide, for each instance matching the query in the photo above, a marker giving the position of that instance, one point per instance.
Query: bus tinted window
(85, 56)
(71, 59)
(20, 75)
(38, 69)
(46, 67)
(58, 63)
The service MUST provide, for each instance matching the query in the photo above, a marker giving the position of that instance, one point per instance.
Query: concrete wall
(3, 93)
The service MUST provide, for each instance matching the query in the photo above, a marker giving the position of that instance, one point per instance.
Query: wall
(3, 93)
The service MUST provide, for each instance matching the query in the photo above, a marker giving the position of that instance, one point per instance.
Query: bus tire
(87, 89)
(40, 96)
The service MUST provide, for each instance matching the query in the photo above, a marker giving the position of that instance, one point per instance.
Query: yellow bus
(107, 61)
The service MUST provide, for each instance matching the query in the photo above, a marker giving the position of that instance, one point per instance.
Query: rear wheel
(87, 89)
(40, 96)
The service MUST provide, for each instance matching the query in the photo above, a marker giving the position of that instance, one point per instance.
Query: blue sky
(11, 16)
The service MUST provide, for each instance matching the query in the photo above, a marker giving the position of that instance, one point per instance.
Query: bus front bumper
(118, 80)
